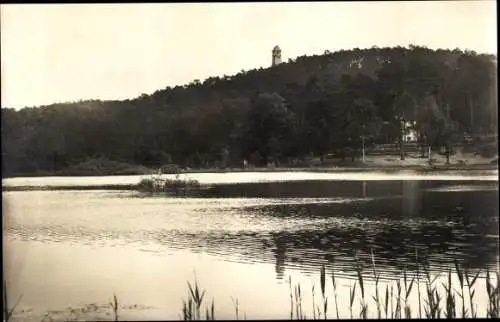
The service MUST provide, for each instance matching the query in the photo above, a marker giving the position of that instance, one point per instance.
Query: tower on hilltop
(276, 56)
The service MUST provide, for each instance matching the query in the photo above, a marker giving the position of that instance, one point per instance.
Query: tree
(470, 95)
(313, 104)
(394, 97)
(437, 129)
(269, 125)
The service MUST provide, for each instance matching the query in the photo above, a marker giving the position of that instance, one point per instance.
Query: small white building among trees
(410, 132)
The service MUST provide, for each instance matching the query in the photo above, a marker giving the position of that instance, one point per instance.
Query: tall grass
(377, 278)
(432, 302)
(314, 304)
(352, 293)
(470, 284)
(493, 291)
(445, 302)
(236, 304)
(191, 309)
(323, 288)
(8, 312)
(418, 284)
(364, 306)
(114, 306)
(334, 284)
(393, 301)
(408, 287)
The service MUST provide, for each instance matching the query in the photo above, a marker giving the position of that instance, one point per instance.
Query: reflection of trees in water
(394, 247)
(337, 189)
(413, 205)
(402, 216)
(392, 243)
(445, 226)
(412, 198)
(308, 189)
(280, 255)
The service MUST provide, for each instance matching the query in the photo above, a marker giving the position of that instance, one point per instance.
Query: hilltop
(319, 105)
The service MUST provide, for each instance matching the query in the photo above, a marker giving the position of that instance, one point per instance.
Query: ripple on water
(296, 233)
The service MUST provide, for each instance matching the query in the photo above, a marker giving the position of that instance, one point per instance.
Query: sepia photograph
(250, 160)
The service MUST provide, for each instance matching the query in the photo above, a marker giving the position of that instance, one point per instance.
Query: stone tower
(276, 56)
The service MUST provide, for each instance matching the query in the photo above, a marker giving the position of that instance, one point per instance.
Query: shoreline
(320, 169)
(414, 170)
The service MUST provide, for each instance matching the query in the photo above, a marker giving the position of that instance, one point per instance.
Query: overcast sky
(54, 53)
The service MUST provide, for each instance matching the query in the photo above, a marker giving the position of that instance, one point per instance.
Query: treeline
(322, 104)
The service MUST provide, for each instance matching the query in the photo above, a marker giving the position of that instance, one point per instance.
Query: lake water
(243, 238)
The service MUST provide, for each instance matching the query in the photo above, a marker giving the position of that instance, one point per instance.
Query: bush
(180, 184)
(157, 184)
(103, 166)
(148, 185)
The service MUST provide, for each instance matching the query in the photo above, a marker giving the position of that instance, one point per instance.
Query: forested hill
(315, 104)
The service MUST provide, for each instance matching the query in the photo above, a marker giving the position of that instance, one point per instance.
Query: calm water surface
(74, 249)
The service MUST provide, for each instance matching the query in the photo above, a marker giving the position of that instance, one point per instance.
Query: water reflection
(293, 225)
(412, 198)
(394, 247)
(280, 255)
(402, 217)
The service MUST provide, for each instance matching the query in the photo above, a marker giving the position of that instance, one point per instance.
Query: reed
(334, 284)
(210, 314)
(236, 307)
(298, 303)
(470, 284)
(408, 287)
(114, 306)
(394, 302)
(364, 307)
(418, 284)
(432, 310)
(323, 288)
(314, 303)
(291, 297)
(297, 309)
(7, 313)
(493, 290)
(191, 308)
(461, 276)
(392, 307)
(386, 306)
(352, 293)
(398, 314)
(436, 303)
(376, 297)
(450, 312)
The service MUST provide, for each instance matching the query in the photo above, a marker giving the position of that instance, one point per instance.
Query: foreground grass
(389, 302)
(7, 310)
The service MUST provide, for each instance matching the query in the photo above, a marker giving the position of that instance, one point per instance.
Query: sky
(68, 52)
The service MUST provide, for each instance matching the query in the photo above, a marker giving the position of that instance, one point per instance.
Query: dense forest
(312, 105)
